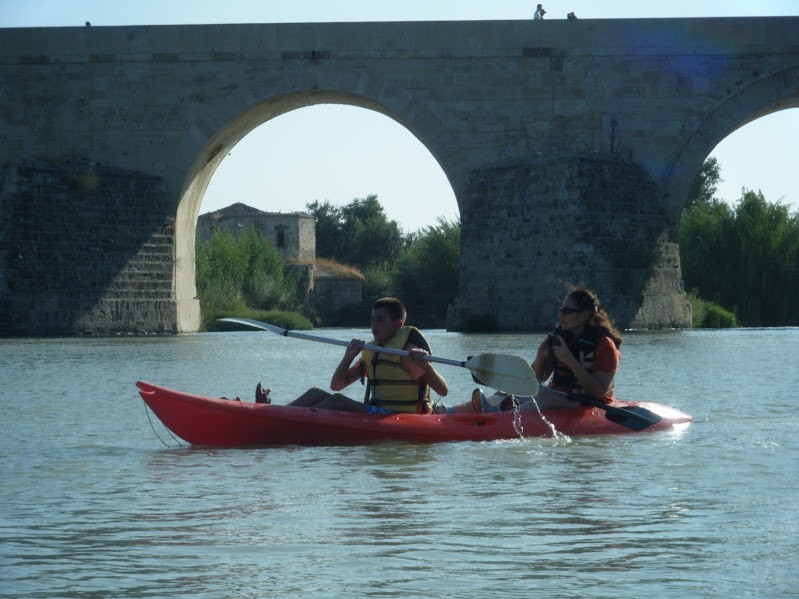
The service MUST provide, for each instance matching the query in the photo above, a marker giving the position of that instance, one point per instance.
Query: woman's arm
(599, 382)
(542, 365)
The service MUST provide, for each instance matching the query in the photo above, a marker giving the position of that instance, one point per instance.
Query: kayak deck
(222, 422)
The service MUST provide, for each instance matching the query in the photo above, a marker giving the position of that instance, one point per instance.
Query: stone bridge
(570, 146)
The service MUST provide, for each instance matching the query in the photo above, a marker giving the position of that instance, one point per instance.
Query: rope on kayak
(152, 426)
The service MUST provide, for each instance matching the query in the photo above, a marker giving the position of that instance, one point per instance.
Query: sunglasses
(563, 310)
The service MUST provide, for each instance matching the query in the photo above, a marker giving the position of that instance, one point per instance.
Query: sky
(339, 153)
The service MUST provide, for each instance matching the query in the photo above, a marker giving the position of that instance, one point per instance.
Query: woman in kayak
(581, 354)
(394, 383)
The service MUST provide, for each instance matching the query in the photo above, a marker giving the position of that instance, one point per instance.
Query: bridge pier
(529, 229)
(91, 250)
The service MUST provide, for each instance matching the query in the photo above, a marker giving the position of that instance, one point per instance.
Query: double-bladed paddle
(503, 372)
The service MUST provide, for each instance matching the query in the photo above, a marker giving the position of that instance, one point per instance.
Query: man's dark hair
(396, 309)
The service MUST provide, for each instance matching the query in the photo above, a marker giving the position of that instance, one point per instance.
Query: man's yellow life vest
(390, 386)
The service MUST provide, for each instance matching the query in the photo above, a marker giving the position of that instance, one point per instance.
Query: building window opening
(280, 238)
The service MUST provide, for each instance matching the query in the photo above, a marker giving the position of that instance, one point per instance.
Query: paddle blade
(503, 372)
(633, 417)
(474, 377)
(256, 324)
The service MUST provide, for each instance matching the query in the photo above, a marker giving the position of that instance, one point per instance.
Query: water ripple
(94, 506)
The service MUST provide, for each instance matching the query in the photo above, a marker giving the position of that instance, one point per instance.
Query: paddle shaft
(265, 326)
(370, 347)
(507, 373)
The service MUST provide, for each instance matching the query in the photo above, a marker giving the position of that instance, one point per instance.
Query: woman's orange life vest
(583, 349)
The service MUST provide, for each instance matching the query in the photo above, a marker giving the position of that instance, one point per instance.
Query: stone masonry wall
(298, 228)
(570, 220)
(537, 127)
(86, 249)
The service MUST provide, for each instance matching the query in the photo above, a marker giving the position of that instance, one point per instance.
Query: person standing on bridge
(539, 13)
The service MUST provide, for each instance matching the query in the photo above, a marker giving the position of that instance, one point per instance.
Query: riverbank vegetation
(740, 263)
(743, 258)
(244, 276)
(707, 315)
(420, 267)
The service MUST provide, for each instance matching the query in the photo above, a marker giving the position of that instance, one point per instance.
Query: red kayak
(227, 423)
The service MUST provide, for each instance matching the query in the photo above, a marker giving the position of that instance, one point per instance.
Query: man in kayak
(393, 383)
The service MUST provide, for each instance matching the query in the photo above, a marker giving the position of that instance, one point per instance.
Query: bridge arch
(761, 98)
(211, 156)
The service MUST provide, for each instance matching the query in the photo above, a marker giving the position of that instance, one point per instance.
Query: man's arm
(345, 375)
(423, 370)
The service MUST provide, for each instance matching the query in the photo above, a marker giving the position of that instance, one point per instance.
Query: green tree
(372, 238)
(706, 264)
(767, 238)
(327, 220)
(358, 234)
(706, 183)
(378, 282)
(427, 275)
(743, 258)
(244, 271)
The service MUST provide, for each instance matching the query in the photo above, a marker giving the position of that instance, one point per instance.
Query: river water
(96, 502)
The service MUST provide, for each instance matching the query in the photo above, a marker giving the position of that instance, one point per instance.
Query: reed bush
(244, 276)
(707, 315)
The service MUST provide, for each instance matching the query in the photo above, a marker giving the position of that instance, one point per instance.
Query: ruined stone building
(293, 234)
